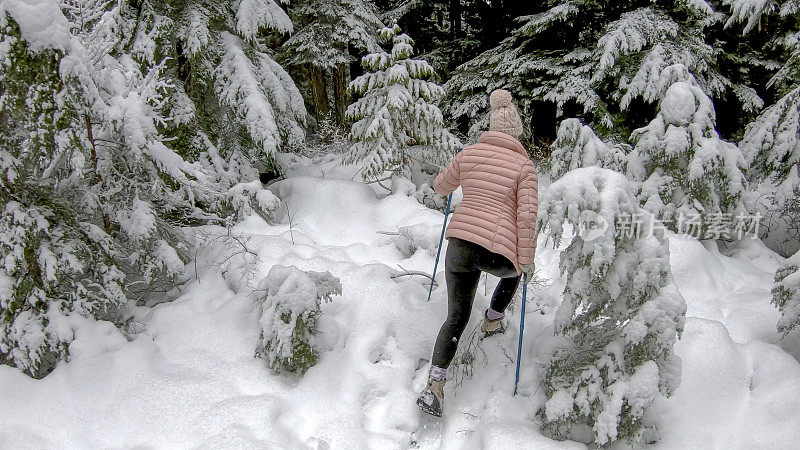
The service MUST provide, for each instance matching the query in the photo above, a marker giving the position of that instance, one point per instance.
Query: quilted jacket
(500, 197)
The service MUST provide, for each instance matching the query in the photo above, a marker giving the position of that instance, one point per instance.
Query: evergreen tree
(620, 315)
(607, 63)
(687, 171)
(786, 294)
(771, 143)
(320, 47)
(231, 105)
(396, 110)
(577, 146)
(90, 190)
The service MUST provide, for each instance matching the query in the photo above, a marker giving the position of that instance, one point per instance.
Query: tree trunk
(97, 178)
(316, 80)
(455, 19)
(341, 78)
(499, 20)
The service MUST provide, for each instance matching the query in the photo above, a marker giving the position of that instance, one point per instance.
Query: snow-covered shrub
(327, 138)
(51, 266)
(291, 300)
(684, 166)
(251, 197)
(577, 146)
(620, 315)
(430, 198)
(411, 238)
(396, 110)
(786, 294)
(771, 143)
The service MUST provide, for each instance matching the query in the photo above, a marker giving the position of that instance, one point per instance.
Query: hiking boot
(431, 399)
(491, 327)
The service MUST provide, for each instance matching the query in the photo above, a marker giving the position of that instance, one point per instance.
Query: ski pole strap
(521, 329)
(441, 240)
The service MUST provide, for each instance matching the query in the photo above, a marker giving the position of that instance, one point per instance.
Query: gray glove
(528, 268)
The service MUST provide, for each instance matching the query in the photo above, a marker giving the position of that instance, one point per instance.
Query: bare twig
(196, 276)
(291, 215)
(471, 416)
(385, 187)
(408, 273)
(380, 179)
(465, 358)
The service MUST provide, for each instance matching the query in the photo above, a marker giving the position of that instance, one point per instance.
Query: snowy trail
(189, 379)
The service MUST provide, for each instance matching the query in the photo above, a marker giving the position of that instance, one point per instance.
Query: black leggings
(463, 265)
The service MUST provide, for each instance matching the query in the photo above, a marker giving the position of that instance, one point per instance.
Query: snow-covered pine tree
(577, 146)
(291, 301)
(620, 315)
(771, 143)
(686, 170)
(90, 191)
(325, 31)
(51, 263)
(607, 64)
(786, 294)
(396, 110)
(231, 105)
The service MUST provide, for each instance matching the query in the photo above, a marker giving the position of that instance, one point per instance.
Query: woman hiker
(493, 230)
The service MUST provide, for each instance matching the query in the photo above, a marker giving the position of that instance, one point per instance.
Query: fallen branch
(408, 273)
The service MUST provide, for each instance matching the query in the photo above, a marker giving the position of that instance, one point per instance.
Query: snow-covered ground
(189, 377)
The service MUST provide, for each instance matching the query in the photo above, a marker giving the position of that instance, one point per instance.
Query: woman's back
(500, 191)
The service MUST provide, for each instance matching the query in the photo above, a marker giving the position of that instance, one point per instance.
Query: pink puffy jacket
(501, 197)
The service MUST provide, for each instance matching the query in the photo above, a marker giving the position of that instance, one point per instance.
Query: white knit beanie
(504, 116)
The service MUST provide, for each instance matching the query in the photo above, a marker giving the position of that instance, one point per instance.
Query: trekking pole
(441, 240)
(521, 328)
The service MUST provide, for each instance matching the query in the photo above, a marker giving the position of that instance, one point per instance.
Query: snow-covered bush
(430, 198)
(685, 168)
(771, 143)
(251, 197)
(411, 238)
(620, 315)
(51, 267)
(786, 294)
(577, 146)
(291, 300)
(396, 110)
